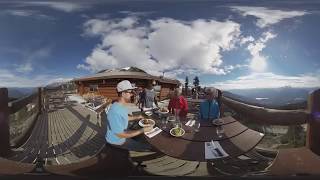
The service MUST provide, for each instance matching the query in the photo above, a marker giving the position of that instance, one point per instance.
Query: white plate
(143, 125)
(148, 113)
(160, 112)
(183, 132)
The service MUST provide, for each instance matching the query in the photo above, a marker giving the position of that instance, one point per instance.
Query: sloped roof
(128, 73)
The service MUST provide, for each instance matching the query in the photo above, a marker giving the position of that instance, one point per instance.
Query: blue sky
(228, 44)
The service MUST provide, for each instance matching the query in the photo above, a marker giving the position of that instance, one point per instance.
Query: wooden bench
(295, 161)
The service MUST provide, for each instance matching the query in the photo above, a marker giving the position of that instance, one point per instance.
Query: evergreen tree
(196, 83)
(186, 86)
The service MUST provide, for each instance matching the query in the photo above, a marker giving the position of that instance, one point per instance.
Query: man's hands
(134, 118)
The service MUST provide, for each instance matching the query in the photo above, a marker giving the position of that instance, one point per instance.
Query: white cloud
(61, 6)
(258, 62)
(267, 17)
(10, 79)
(30, 57)
(27, 13)
(269, 80)
(244, 40)
(25, 68)
(161, 45)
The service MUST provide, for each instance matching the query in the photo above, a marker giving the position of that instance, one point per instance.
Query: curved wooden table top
(208, 130)
(237, 140)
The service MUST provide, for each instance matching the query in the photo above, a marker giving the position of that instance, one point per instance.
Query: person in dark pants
(118, 136)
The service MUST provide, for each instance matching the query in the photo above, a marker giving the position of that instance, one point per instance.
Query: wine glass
(220, 131)
(196, 126)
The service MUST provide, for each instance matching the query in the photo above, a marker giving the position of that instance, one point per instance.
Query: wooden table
(236, 140)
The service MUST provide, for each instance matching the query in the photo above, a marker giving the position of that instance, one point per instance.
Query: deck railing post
(40, 99)
(4, 123)
(313, 126)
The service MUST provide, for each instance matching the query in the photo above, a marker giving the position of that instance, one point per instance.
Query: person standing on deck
(117, 122)
(150, 97)
(178, 102)
(209, 109)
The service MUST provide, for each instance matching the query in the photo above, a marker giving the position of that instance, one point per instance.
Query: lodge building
(104, 82)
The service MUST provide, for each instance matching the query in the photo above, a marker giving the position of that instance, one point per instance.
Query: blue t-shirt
(204, 110)
(117, 122)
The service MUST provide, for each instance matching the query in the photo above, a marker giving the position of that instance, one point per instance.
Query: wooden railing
(266, 116)
(7, 108)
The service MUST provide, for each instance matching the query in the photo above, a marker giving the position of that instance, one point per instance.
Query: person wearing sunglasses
(209, 109)
(118, 133)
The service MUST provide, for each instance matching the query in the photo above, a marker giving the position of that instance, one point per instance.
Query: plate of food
(148, 113)
(163, 111)
(217, 122)
(177, 132)
(146, 122)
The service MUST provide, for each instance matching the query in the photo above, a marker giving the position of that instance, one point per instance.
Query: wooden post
(40, 99)
(313, 127)
(4, 123)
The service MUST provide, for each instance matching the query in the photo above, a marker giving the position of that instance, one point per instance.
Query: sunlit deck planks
(63, 134)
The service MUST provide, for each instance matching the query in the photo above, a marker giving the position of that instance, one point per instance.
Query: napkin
(213, 150)
(190, 123)
(153, 132)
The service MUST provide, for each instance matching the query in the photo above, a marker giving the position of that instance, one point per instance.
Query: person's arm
(156, 101)
(133, 133)
(134, 118)
(170, 106)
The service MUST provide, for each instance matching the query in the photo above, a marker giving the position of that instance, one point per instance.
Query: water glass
(164, 122)
(220, 131)
(196, 126)
(177, 124)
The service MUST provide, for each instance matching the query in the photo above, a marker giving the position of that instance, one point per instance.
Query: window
(93, 88)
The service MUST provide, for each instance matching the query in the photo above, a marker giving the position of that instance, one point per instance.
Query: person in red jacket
(178, 102)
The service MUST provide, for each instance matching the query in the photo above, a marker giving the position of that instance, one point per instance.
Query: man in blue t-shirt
(117, 121)
(209, 109)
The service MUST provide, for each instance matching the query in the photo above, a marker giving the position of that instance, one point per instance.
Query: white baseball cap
(124, 85)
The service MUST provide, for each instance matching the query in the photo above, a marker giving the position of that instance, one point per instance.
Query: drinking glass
(164, 122)
(220, 131)
(196, 126)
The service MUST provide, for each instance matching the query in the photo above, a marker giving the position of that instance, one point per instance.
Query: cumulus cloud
(269, 80)
(247, 39)
(267, 17)
(162, 45)
(258, 62)
(61, 6)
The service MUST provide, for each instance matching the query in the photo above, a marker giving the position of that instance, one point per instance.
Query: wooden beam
(267, 116)
(313, 127)
(18, 104)
(4, 123)
(40, 99)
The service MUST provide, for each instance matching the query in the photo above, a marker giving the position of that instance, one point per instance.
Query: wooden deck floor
(63, 134)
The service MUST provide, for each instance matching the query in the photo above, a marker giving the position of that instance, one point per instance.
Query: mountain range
(17, 92)
(278, 98)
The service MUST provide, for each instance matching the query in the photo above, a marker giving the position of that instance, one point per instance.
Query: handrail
(18, 104)
(266, 115)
